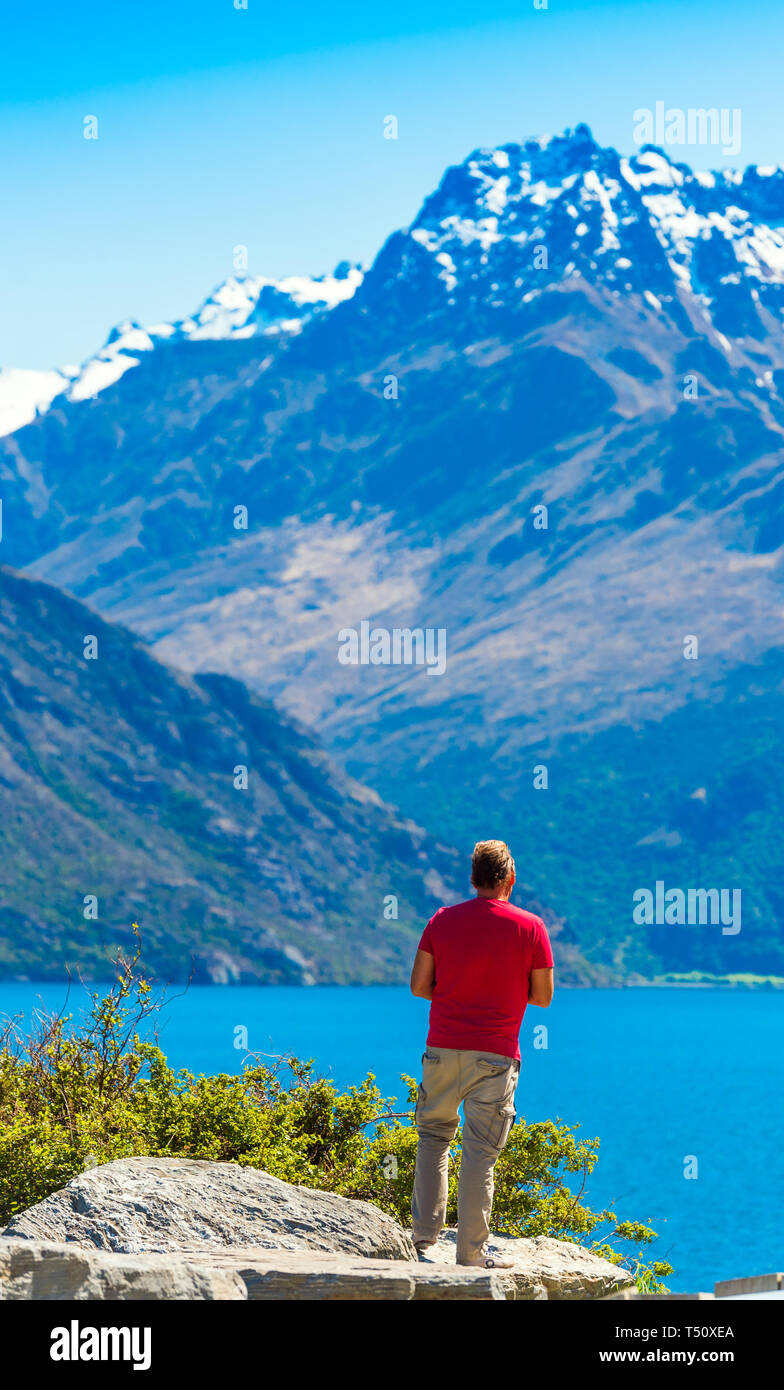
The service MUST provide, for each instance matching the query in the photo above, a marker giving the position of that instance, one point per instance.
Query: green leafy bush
(72, 1098)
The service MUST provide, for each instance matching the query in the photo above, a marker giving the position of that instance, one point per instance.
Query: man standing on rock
(480, 963)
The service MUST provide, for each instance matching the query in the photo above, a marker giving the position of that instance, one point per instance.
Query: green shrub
(74, 1098)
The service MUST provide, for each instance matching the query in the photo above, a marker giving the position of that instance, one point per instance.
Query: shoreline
(749, 982)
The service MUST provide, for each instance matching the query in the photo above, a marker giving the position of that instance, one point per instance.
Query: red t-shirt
(484, 951)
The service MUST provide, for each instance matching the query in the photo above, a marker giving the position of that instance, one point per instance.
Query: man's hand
(423, 975)
(540, 987)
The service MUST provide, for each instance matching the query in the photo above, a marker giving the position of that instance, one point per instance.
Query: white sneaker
(487, 1260)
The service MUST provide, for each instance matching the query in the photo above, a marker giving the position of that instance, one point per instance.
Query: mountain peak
(579, 142)
(510, 223)
(242, 306)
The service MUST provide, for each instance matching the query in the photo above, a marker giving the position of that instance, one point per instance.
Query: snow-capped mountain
(641, 224)
(703, 251)
(561, 327)
(244, 306)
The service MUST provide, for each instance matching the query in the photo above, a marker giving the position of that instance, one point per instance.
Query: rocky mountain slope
(121, 800)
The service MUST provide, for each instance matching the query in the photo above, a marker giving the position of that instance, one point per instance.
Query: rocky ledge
(155, 1228)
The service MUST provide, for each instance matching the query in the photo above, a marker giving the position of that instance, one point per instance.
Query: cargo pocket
(490, 1124)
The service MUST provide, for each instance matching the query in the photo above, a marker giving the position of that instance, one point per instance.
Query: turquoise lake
(658, 1074)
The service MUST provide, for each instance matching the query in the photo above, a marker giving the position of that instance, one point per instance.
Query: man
(479, 963)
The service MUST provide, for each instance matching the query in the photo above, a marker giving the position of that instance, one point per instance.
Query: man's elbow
(541, 985)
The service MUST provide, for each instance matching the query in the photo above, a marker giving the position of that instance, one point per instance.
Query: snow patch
(24, 393)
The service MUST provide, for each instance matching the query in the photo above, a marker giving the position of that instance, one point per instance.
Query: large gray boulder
(40, 1270)
(184, 1219)
(173, 1204)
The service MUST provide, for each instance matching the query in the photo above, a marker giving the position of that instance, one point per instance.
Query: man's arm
(423, 975)
(540, 987)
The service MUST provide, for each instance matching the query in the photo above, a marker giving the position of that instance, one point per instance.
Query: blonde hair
(491, 863)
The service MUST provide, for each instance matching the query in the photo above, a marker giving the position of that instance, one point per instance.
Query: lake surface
(658, 1074)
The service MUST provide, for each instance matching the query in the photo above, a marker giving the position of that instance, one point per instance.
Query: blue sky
(264, 127)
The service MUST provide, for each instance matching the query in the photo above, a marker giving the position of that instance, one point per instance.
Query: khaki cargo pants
(485, 1083)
